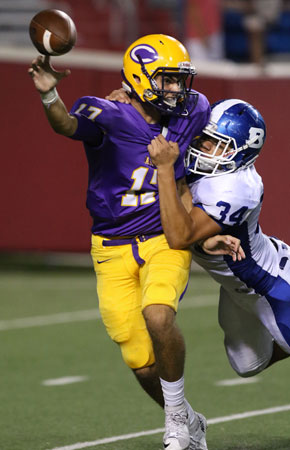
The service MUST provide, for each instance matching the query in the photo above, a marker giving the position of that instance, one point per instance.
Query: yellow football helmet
(158, 54)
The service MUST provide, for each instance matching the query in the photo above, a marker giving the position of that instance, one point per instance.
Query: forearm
(176, 222)
(45, 79)
(59, 118)
(183, 224)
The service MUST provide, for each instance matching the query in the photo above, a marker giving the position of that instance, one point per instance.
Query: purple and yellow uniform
(134, 265)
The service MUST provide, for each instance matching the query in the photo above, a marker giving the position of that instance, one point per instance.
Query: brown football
(52, 32)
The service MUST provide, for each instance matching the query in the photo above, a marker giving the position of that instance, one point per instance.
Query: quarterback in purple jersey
(122, 192)
(140, 279)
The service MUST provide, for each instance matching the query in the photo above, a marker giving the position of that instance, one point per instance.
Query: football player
(140, 279)
(227, 192)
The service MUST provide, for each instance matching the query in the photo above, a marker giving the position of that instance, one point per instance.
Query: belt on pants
(114, 241)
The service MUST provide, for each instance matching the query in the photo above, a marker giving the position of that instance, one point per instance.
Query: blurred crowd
(256, 30)
(240, 30)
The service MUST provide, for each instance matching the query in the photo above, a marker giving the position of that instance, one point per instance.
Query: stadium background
(49, 322)
(44, 176)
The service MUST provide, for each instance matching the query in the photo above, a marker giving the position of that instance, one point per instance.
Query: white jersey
(234, 200)
(254, 305)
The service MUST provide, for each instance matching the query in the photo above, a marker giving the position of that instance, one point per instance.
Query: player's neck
(148, 112)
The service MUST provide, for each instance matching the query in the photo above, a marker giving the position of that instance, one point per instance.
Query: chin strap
(126, 87)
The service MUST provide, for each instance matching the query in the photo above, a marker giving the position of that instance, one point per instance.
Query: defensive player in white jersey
(227, 191)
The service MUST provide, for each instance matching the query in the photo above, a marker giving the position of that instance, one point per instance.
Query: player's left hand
(224, 245)
(163, 152)
(119, 95)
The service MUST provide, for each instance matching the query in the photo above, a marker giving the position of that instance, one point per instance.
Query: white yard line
(87, 314)
(237, 381)
(214, 421)
(246, 415)
(64, 380)
(52, 319)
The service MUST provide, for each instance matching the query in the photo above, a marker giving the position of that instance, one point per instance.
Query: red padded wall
(44, 176)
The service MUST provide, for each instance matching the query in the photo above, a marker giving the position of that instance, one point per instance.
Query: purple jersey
(122, 194)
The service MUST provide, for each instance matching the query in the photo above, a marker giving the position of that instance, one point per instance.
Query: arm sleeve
(95, 117)
(87, 131)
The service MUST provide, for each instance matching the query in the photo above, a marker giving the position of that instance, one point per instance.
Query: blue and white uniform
(254, 305)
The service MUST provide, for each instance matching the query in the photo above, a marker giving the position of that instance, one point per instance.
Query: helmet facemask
(167, 101)
(218, 161)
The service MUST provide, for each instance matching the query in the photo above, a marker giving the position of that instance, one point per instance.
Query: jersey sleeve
(226, 199)
(95, 118)
(204, 108)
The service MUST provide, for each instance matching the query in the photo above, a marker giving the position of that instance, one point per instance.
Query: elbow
(177, 243)
(62, 130)
(178, 246)
(65, 126)
(57, 130)
(180, 241)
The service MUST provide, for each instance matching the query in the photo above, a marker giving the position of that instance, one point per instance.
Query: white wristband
(50, 97)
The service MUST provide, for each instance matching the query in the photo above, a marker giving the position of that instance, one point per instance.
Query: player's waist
(134, 241)
(128, 227)
(129, 239)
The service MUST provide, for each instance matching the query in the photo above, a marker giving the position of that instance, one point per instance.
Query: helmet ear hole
(137, 79)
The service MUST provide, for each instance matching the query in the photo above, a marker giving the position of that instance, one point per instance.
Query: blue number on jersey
(235, 217)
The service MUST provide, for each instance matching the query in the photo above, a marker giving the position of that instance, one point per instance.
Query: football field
(65, 387)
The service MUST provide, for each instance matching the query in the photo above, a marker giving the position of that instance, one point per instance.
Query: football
(52, 32)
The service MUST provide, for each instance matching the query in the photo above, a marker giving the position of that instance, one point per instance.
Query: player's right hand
(45, 77)
(163, 152)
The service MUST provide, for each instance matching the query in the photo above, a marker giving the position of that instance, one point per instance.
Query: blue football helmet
(238, 131)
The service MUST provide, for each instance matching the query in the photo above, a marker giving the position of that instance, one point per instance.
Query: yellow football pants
(125, 288)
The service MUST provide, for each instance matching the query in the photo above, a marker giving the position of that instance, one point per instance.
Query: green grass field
(50, 329)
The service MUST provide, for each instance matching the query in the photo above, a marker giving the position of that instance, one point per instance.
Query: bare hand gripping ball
(52, 32)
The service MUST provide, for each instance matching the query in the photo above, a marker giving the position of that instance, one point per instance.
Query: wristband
(50, 97)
